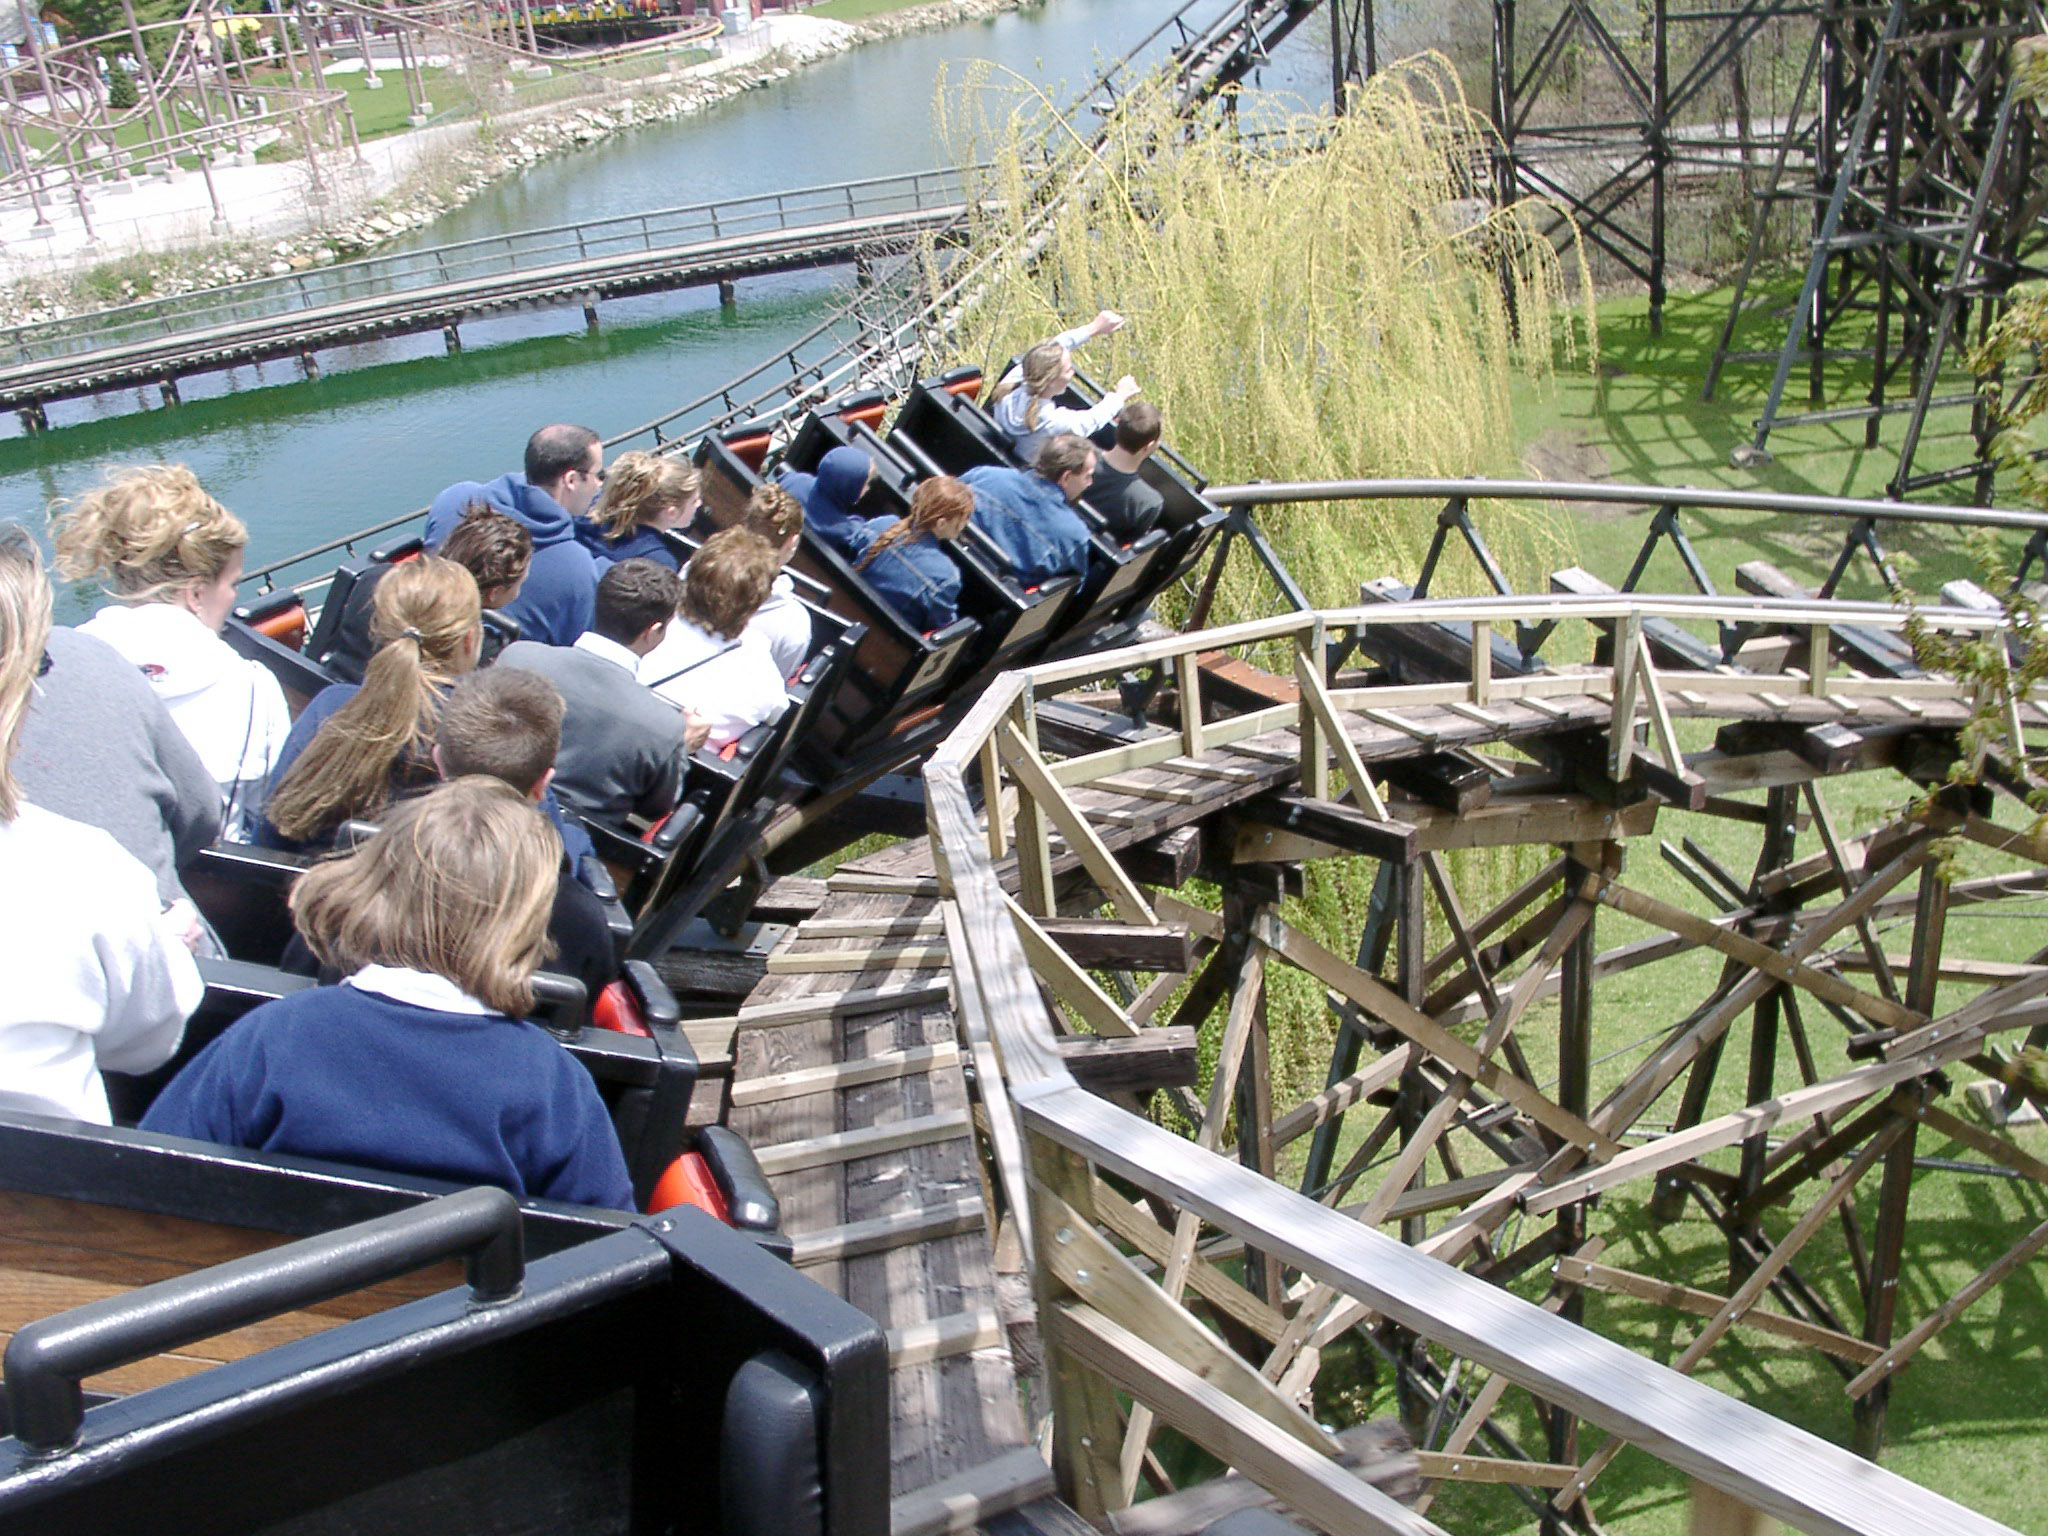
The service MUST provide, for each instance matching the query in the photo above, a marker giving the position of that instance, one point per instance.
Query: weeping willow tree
(1330, 299)
(1334, 298)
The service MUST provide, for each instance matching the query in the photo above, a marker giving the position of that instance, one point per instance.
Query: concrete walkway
(254, 201)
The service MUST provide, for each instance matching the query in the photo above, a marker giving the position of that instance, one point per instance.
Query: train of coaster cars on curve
(308, 1366)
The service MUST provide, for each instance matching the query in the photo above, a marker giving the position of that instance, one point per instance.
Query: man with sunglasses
(564, 472)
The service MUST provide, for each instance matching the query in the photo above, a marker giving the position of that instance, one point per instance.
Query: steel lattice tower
(1928, 208)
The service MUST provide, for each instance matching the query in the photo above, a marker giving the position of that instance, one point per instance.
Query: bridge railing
(1067, 1159)
(870, 198)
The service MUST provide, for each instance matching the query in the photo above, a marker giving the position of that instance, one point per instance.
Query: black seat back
(646, 1083)
(333, 604)
(270, 629)
(1016, 623)
(638, 1379)
(242, 892)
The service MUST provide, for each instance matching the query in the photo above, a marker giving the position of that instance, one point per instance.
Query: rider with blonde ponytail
(1024, 405)
(356, 747)
(171, 556)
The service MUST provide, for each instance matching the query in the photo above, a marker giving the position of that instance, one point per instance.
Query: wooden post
(1034, 851)
(1372, 950)
(1315, 751)
(1411, 1392)
(1574, 1091)
(1715, 1513)
(1765, 1020)
(1086, 1433)
(1888, 1241)
(1242, 898)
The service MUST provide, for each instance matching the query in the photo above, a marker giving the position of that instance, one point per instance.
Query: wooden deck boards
(954, 1395)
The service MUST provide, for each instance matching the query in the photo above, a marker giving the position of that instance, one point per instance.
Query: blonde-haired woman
(170, 555)
(418, 1062)
(358, 745)
(645, 494)
(1024, 405)
(98, 973)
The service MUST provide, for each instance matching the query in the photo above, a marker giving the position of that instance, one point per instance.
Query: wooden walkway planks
(901, 1233)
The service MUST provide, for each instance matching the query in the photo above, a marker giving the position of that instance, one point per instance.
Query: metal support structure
(1934, 211)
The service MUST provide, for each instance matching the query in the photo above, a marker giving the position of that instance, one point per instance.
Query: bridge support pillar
(727, 295)
(33, 417)
(170, 388)
(590, 318)
(310, 364)
(453, 337)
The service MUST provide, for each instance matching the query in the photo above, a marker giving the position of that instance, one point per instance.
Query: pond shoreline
(416, 177)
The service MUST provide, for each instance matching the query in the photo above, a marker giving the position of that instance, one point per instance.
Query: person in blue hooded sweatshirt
(828, 496)
(1030, 516)
(564, 471)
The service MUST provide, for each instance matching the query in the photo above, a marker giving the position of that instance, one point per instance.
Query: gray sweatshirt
(99, 747)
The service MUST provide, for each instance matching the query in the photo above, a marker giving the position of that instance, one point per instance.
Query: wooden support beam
(1037, 785)
(852, 1003)
(1383, 1004)
(843, 1074)
(1759, 957)
(1464, 1467)
(826, 962)
(1337, 828)
(1684, 1298)
(940, 1338)
(869, 1141)
(1131, 1223)
(1306, 1480)
(968, 1499)
(1140, 1063)
(1853, 1086)
(1747, 1295)
(1896, 1356)
(1070, 984)
(1093, 1270)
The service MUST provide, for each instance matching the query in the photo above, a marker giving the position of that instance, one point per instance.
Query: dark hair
(553, 451)
(728, 581)
(632, 595)
(492, 547)
(1137, 426)
(1063, 453)
(936, 503)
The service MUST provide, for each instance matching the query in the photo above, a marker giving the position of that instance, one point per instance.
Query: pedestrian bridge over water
(445, 287)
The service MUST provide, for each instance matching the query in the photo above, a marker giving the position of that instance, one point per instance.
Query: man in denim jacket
(1031, 517)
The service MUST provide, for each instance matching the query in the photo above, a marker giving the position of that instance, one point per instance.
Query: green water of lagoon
(389, 423)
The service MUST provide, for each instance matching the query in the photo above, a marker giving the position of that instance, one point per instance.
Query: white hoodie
(230, 708)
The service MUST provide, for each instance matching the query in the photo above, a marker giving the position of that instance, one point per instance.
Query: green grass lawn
(1639, 419)
(856, 10)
